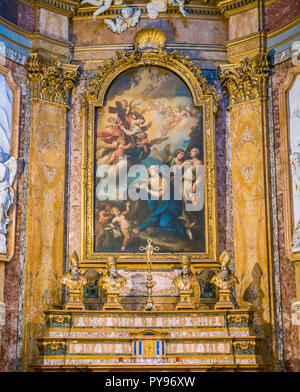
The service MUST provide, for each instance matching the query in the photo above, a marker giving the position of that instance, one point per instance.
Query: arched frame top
(14, 151)
(203, 96)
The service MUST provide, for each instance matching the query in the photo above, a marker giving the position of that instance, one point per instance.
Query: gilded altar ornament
(185, 282)
(51, 80)
(111, 281)
(246, 80)
(74, 282)
(225, 280)
(149, 249)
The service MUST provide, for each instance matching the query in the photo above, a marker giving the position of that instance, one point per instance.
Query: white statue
(129, 18)
(102, 4)
(8, 170)
(295, 166)
(156, 6)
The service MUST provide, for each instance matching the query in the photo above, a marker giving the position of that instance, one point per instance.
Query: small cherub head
(127, 12)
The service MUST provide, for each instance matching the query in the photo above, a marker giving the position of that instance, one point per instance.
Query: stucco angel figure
(129, 18)
(156, 6)
(8, 170)
(102, 4)
(295, 166)
(225, 278)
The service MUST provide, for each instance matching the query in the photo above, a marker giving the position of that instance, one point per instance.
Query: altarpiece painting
(150, 160)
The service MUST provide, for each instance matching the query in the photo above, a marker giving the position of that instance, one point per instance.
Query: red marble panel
(13, 272)
(281, 12)
(287, 268)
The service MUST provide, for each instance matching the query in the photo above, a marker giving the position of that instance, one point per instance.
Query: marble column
(246, 83)
(50, 84)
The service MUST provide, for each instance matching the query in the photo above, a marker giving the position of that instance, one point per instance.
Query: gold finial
(149, 39)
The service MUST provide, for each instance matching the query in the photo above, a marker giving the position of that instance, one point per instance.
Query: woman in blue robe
(164, 213)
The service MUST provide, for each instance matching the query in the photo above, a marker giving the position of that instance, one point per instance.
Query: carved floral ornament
(149, 49)
(247, 80)
(51, 80)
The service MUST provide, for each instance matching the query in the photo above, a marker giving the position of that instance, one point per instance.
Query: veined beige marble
(179, 320)
(54, 25)
(100, 348)
(243, 24)
(204, 348)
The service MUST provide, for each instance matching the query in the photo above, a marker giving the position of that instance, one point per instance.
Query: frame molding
(14, 152)
(285, 154)
(202, 95)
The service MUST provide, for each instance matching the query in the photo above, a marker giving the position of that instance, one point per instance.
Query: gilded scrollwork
(244, 345)
(59, 318)
(50, 80)
(238, 318)
(247, 80)
(53, 345)
(149, 49)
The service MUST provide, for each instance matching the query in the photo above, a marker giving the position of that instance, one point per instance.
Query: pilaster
(246, 83)
(50, 84)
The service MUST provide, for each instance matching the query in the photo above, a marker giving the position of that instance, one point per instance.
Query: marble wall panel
(243, 24)
(248, 189)
(287, 268)
(54, 25)
(281, 13)
(13, 269)
(45, 223)
(89, 32)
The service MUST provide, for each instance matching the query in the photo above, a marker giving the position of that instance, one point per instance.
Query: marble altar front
(200, 340)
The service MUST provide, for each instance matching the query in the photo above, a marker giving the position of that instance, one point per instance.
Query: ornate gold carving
(50, 80)
(112, 282)
(53, 345)
(58, 318)
(225, 280)
(74, 281)
(238, 318)
(244, 344)
(247, 80)
(202, 94)
(174, 61)
(149, 249)
(149, 39)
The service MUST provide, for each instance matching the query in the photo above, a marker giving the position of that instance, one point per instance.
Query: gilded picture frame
(203, 96)
(285, 127)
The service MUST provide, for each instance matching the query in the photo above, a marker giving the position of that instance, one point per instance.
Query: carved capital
(246, 80)
(51, 80)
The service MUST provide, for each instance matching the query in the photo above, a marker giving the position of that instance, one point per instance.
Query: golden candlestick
(149, 249)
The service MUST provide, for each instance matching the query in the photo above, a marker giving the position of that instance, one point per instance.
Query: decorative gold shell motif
(149, 39)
